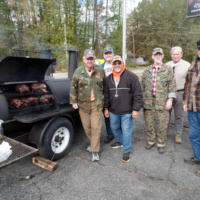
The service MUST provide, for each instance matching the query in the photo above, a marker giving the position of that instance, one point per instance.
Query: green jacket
(82, 85)
(165, 87)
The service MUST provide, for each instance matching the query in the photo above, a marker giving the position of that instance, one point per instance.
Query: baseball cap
(157, 50)
(198, 43)
(108, 49)
(89, 54)
(117, 58)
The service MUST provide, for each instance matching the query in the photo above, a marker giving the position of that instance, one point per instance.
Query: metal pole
(66, 46)
(133, 46)
(124, 32)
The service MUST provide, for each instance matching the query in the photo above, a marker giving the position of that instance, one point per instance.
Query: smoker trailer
(34, 107)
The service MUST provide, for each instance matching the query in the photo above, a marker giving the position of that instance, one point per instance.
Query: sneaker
(178, 140)
(116, 145)
(161, 150)
(89, 148)
(95, 156)
(126, 157)
(149, 146)
(192, 161)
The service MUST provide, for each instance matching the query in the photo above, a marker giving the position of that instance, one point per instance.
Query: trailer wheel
(57, 139)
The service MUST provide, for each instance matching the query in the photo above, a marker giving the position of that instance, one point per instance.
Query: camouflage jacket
(165, 87)
(82, 85)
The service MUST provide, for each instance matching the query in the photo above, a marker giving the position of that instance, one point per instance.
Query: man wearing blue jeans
(191, 103)
(122, 102)
(108, 55)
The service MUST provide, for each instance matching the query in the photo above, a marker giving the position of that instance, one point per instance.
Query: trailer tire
(57, 139)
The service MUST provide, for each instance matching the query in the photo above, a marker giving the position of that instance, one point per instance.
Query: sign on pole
(193, 8)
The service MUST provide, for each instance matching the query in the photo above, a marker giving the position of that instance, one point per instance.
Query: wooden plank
(44, 163)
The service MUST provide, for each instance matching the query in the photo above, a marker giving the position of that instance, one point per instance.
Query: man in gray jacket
(180, 68)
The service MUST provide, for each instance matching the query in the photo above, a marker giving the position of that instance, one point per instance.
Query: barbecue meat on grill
(46, 98)
(16, 103)
(22, 88)
(30, 101)
(39, 87)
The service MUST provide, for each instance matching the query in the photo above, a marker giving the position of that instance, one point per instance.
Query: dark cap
(89, 54)
(157, 50)
(108, 49)
(198, 43)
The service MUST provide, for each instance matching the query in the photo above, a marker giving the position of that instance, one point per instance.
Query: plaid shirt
(191, 95)
(155, 70)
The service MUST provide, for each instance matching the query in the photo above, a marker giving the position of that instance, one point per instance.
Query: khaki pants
(91, 121)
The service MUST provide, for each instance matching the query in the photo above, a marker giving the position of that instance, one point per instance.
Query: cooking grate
(19, 151)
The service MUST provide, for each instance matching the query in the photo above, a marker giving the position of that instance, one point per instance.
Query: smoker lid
(19, 69)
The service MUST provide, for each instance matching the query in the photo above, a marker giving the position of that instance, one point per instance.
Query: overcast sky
(131, 4)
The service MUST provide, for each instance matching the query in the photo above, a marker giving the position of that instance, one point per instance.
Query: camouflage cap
(117, 58)
(157, 50)
(89, 54)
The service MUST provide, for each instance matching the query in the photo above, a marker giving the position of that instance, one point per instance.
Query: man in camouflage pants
(87, 94)
(159, 89)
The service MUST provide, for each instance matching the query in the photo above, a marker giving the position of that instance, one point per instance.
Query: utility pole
(66, 45)
(133, 45)
(124, 33)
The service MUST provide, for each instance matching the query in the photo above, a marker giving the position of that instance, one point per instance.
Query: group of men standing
(118, 92)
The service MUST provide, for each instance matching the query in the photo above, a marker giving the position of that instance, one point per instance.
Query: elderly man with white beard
(159, 89)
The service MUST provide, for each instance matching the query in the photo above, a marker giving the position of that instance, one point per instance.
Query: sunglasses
(117, 63)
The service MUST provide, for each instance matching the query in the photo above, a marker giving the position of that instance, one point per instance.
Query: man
(123, 100)
(159, 89)
(87, 94)
(180, 68)
(108, 55)
(191, 103)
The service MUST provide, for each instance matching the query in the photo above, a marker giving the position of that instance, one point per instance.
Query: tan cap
(157, 50)
(117, 58)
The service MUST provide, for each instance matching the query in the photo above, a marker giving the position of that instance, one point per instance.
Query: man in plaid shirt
(191, 103)
(159, 89)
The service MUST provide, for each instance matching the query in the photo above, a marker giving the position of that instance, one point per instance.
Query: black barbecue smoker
(35, 109)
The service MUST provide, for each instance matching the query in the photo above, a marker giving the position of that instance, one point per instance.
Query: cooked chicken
(39, 87)
(22, 88)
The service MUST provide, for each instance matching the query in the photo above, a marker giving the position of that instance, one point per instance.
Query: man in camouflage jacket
(159, 89)
(87, 94)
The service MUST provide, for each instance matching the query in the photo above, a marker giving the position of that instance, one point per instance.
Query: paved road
(148, 176)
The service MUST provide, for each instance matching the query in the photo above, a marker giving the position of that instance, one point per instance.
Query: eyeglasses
(117, 63)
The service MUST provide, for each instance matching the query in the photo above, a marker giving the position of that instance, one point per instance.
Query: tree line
(34, 25)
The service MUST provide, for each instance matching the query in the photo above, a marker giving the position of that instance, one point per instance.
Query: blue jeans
(122, 127)
(108, 128)
(194, 132)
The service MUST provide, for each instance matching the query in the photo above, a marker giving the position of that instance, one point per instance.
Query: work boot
(161, 150)
(178, 139)
(192, 161)
(149, 146)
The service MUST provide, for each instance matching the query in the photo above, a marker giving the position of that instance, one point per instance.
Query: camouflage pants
(152, 116)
